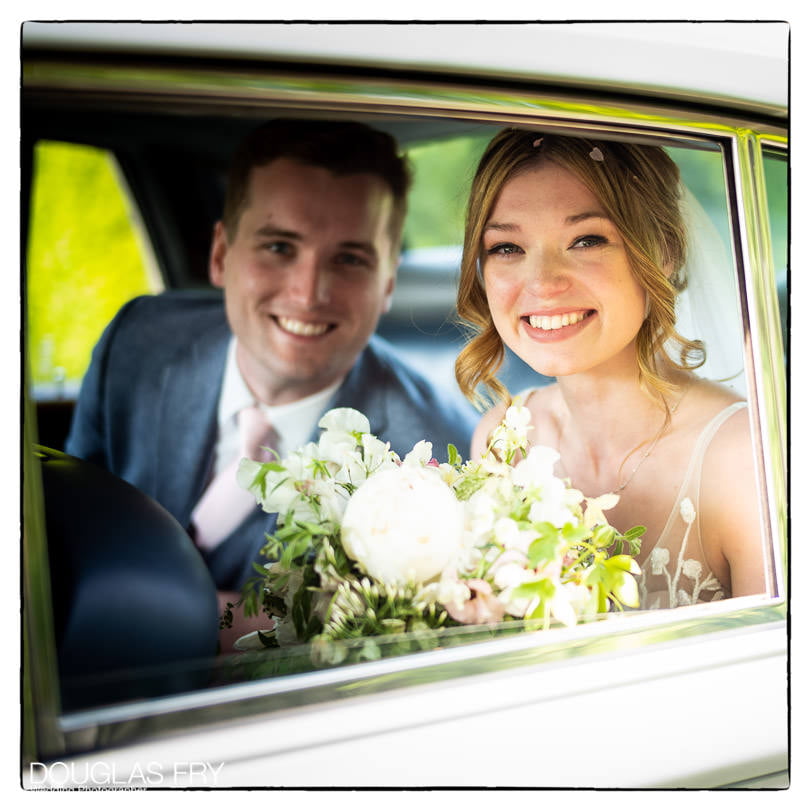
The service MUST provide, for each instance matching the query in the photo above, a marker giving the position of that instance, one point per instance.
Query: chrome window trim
(764, 339)
(229, 86)
(233, 90)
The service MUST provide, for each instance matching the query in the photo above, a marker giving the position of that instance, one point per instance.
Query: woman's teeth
(301, 327)
(549, 322)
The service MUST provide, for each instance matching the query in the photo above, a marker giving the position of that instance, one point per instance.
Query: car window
(87, 255)
(776, 173)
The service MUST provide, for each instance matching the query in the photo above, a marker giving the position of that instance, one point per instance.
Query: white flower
(419, 455)
(552, 512)
(403, 524)
(334, 446)
(480, 514)
(451, 591)
(511, 434)
(353, 469)
(332, 499)
(510, 536)
(688, 511)
(537, 468)
(595, 506)
(376, 453)
(506, 577)
(345, 420)
(275, 491)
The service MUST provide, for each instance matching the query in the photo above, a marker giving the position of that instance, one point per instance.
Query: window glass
(443, 172)
(70, 185)
(776, 171)
(86, 257)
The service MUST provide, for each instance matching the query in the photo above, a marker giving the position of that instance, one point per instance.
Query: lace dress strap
(679, 543)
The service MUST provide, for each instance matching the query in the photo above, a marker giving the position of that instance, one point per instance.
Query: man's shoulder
(174, 304)
(388, 369)
(387, 363)
(175, 314)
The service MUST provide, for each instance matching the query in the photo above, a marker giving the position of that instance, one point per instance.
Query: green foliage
(84, 258)
(443, 172)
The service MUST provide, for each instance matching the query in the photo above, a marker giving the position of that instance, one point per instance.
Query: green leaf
(574, 535)
(544, 547)
(453, 455)
(542, 589)
(634, 532)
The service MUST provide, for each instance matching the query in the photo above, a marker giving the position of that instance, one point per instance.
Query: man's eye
(589, 241)
(279, 247)
(352, 260)
(503, 249)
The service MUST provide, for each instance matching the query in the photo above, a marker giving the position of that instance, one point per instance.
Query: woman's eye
(503, 249)
(589, 241)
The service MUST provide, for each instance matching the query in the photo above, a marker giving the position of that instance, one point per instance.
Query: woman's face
(557, 276)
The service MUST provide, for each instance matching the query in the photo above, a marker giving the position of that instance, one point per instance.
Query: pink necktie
(224, 504)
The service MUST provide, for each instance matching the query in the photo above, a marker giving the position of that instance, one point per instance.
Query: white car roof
(729, 62)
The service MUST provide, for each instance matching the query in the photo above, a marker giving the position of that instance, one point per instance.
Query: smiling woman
(592, 233)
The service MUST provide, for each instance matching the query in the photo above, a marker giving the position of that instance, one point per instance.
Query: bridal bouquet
(367, 543)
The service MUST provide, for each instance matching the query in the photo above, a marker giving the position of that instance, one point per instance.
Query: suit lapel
(190, 391)
(359, 391)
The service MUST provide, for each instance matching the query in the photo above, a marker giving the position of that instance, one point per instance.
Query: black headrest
(135, 608)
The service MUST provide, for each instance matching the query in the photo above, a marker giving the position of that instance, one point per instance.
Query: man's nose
(308, 282)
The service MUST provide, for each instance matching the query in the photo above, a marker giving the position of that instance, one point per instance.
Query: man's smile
(302, 328)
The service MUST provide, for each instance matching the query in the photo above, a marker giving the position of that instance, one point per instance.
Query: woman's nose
(548, 271)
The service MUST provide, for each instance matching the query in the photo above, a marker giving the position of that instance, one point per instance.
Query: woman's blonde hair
(640, 189)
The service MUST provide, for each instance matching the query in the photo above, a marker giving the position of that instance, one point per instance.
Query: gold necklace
(652, 445)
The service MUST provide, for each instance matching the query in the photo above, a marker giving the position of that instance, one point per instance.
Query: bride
(574, 255)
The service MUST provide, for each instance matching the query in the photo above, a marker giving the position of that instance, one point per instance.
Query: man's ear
(389, 289)
(216, 258)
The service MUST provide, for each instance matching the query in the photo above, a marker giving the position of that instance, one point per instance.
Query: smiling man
(306, 256)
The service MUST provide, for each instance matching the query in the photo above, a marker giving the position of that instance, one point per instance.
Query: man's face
(306, 277)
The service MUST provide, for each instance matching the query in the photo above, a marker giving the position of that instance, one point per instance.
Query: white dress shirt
(293, 422)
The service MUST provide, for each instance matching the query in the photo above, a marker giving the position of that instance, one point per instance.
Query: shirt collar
(293, 422)
(235, 394)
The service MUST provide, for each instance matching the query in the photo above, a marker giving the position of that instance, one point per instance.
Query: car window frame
(741, 138)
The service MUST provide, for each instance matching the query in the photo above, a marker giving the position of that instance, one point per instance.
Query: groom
(305, 254)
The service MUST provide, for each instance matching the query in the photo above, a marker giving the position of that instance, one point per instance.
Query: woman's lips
(557, 325)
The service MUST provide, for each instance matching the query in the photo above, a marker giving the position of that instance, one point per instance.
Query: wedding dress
(676, 571)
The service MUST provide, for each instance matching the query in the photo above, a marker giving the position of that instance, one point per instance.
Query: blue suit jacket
(147, 410)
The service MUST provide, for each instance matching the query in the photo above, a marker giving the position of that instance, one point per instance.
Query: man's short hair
(342, 147)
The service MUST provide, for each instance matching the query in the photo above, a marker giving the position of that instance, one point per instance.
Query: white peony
(403, 524)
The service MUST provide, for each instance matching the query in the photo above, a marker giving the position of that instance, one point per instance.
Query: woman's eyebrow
(586, 215)
(500, 226)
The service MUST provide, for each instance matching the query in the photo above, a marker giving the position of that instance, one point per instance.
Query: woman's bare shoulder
(537, 400)
(487, 423)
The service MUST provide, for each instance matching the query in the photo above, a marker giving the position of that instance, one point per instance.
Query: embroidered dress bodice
(676, 572)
